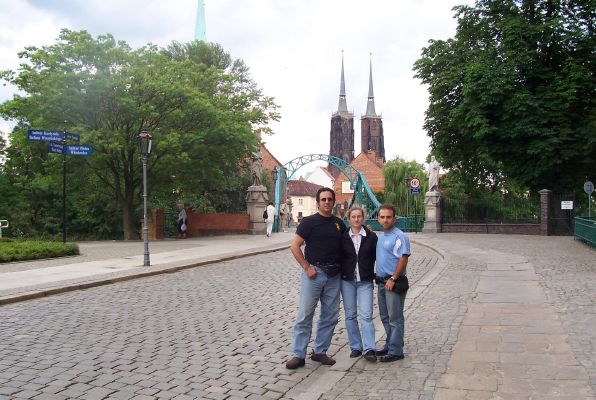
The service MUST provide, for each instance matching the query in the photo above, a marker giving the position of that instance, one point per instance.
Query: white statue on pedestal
(433, 174)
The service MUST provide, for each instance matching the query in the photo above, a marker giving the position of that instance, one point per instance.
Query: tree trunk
(128, 222)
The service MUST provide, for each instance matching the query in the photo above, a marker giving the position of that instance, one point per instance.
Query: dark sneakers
(322, 358)
(390, 358)
(370, 356)
(355, 353)
(295, 362)
(382, 352)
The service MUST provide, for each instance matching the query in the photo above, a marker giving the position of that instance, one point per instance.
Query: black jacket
(366, 256)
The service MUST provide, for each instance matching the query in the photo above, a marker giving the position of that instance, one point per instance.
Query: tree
(512, 94)
(201, 107)
(397, 172)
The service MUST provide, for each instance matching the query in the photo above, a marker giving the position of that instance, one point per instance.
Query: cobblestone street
(217, 332)
(487, 317)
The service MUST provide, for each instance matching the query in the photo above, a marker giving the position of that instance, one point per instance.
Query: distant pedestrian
(393, 250)
(182, 222)
(320, 279)
(359, 246)
(270, 218)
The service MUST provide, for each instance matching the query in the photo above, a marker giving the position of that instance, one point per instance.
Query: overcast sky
(293, 49)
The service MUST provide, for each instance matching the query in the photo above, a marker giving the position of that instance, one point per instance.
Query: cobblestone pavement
(435, 322)
(221, 331)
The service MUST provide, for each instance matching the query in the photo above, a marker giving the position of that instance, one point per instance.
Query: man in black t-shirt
(320, 279)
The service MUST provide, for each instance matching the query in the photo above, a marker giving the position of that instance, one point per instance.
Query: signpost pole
(64, 187)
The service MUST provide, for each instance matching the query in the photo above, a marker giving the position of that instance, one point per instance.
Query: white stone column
(432, 212)
(256, 202)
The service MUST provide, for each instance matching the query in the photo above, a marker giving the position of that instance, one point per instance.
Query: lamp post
(144, 139)
(275, 197)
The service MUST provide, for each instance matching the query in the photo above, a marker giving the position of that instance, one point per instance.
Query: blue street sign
(45, 136)
(56, 148)
(79, 150)
(415, 191)
(73, 137)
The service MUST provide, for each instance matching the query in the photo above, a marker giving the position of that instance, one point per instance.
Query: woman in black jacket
(357, 272)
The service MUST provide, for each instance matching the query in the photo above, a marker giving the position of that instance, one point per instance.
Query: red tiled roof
(302, 188)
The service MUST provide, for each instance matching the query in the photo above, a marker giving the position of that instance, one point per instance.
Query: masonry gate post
(545, 199)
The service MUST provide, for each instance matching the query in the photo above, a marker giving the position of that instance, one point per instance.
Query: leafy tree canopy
(512, 95)
(397, 172)
(201, 107)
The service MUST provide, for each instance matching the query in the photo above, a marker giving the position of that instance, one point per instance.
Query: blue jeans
(321, 288)
(358, 301)
(391, 311)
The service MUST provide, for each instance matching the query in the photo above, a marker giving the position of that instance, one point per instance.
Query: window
(299, 202)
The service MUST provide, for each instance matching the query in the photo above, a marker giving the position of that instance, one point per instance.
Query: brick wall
(216, 224)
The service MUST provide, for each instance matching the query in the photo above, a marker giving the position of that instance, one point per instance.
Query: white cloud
(292, 48)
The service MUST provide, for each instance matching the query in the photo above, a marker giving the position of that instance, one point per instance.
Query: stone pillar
(158, 223)
(544, 211)
(432, 212)
(256, 202)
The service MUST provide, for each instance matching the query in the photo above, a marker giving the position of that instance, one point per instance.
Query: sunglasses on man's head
(326, 199)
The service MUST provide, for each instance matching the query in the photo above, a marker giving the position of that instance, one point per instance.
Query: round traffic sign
(414, 183)
(588, 187)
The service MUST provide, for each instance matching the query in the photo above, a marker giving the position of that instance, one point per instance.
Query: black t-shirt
(322, 236)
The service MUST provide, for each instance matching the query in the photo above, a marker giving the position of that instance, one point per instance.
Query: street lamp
(144, 139)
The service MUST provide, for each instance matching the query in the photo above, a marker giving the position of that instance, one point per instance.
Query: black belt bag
(331, 269)
(400, 285)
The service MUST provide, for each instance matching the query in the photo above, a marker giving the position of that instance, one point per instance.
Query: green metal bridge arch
(363, 195)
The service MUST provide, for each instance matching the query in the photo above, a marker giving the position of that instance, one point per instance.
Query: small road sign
(567, 205)
(73, 136)
(588, 187)
(415, 191)
(45, 136)
(56, 148)
(414, 183)
(72, 150)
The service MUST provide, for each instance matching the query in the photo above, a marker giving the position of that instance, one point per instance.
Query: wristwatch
(392, 279)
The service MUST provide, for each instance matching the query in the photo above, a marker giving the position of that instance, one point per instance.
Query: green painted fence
(585, 230)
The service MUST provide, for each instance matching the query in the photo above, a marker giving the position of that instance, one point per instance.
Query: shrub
(20, 250)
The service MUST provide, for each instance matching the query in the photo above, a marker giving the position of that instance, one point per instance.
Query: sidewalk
(106, 262)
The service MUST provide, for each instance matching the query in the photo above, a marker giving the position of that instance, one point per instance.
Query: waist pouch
(400, 285)
(331, 269)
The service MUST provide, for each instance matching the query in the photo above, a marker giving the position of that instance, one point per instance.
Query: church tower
(200, 27)
(371, 125)
(342, 128)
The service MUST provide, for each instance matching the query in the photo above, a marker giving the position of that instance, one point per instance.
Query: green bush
(20, 250)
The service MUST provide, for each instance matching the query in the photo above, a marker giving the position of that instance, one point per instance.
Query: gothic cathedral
(342, 128)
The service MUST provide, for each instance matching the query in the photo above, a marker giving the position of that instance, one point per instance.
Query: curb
(36, 294)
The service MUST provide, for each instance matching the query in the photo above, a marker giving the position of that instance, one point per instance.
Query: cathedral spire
(343, 106)
(370, 106)
(200, 28)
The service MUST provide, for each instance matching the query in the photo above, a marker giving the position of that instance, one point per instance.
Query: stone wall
(508, 229)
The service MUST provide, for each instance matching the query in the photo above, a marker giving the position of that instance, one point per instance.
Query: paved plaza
(487, 317)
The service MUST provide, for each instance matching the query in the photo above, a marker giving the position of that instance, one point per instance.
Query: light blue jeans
(326, 290)
(358, 301)
(391, 311)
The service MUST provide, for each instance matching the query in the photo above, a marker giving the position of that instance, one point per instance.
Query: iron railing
(585, 230)
(488, 211)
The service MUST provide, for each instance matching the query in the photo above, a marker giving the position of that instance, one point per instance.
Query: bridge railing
(585, 230)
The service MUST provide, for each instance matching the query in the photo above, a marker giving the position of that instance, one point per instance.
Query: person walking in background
(270, 218)
(320, 279)
(359, 245)
(182, 221)
(393, 250)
